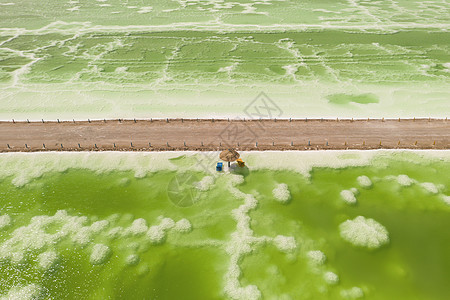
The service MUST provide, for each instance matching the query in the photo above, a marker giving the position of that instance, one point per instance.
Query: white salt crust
(331, 278)
(47, 259)
(183, 225)
(5, 221)
(157, 233)
(242, 242)
(348, 196)
(205, 184)
(132, 260)
(34, 237)
(138, 227)
(364, 232)
(317, 257)
(364, 181)
(404, 180)
(430, 187)
(20, 292)
(285, 243)
(100, 254)
(281, 193)
(352, 293)
(446, 199)
(23, 167)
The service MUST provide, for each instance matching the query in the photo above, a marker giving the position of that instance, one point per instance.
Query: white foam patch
(352, 293)
(132, 260)
(100, 254)
(364, 181)
(364, 232)
(317, 257)
(5, 221)
(285, 243)
(348, 196)
(47, 259)
(205, 184)
(281, 193)
(21, 292)
(331, 278)
(183, 225)
(430, 187)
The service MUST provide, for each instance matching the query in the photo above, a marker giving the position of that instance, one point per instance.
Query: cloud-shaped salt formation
(353, 293)
(5, 221)
(20, 292)
(100, 254)
(236, 179)
(404, 180)
(34, 237)
(317, 257)
(430, 187)
(47, 259)
(364, 181)
(132, 260)
(446, 199)
(331, 278)
(183, 225)
(281, 193)
(364, 232)
(157, 233)
(348, 196)
(285, 243)
(205, 184)
(139, 226)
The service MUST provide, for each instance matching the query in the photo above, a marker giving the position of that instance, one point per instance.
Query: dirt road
(210, 134)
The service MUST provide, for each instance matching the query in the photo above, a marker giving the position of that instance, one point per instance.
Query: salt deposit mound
(364, 181)
(285, 243)
(5, 221)
(364, 232)
(331, 278)
(430, 187)
(47, 259)
(353, 293)
(183, 225)
(132, 260)
(100, 254)
(281, 193)
(205, 184)
(27, 292)
(317, 257)
(348, 196)
(404, 180)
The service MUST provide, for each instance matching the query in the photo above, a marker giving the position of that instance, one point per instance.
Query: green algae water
(201, 58)
(248, 234)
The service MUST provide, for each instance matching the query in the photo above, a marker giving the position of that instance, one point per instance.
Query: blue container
(219, 166)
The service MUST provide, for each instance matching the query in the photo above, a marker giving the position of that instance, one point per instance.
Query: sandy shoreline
(213, 134)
